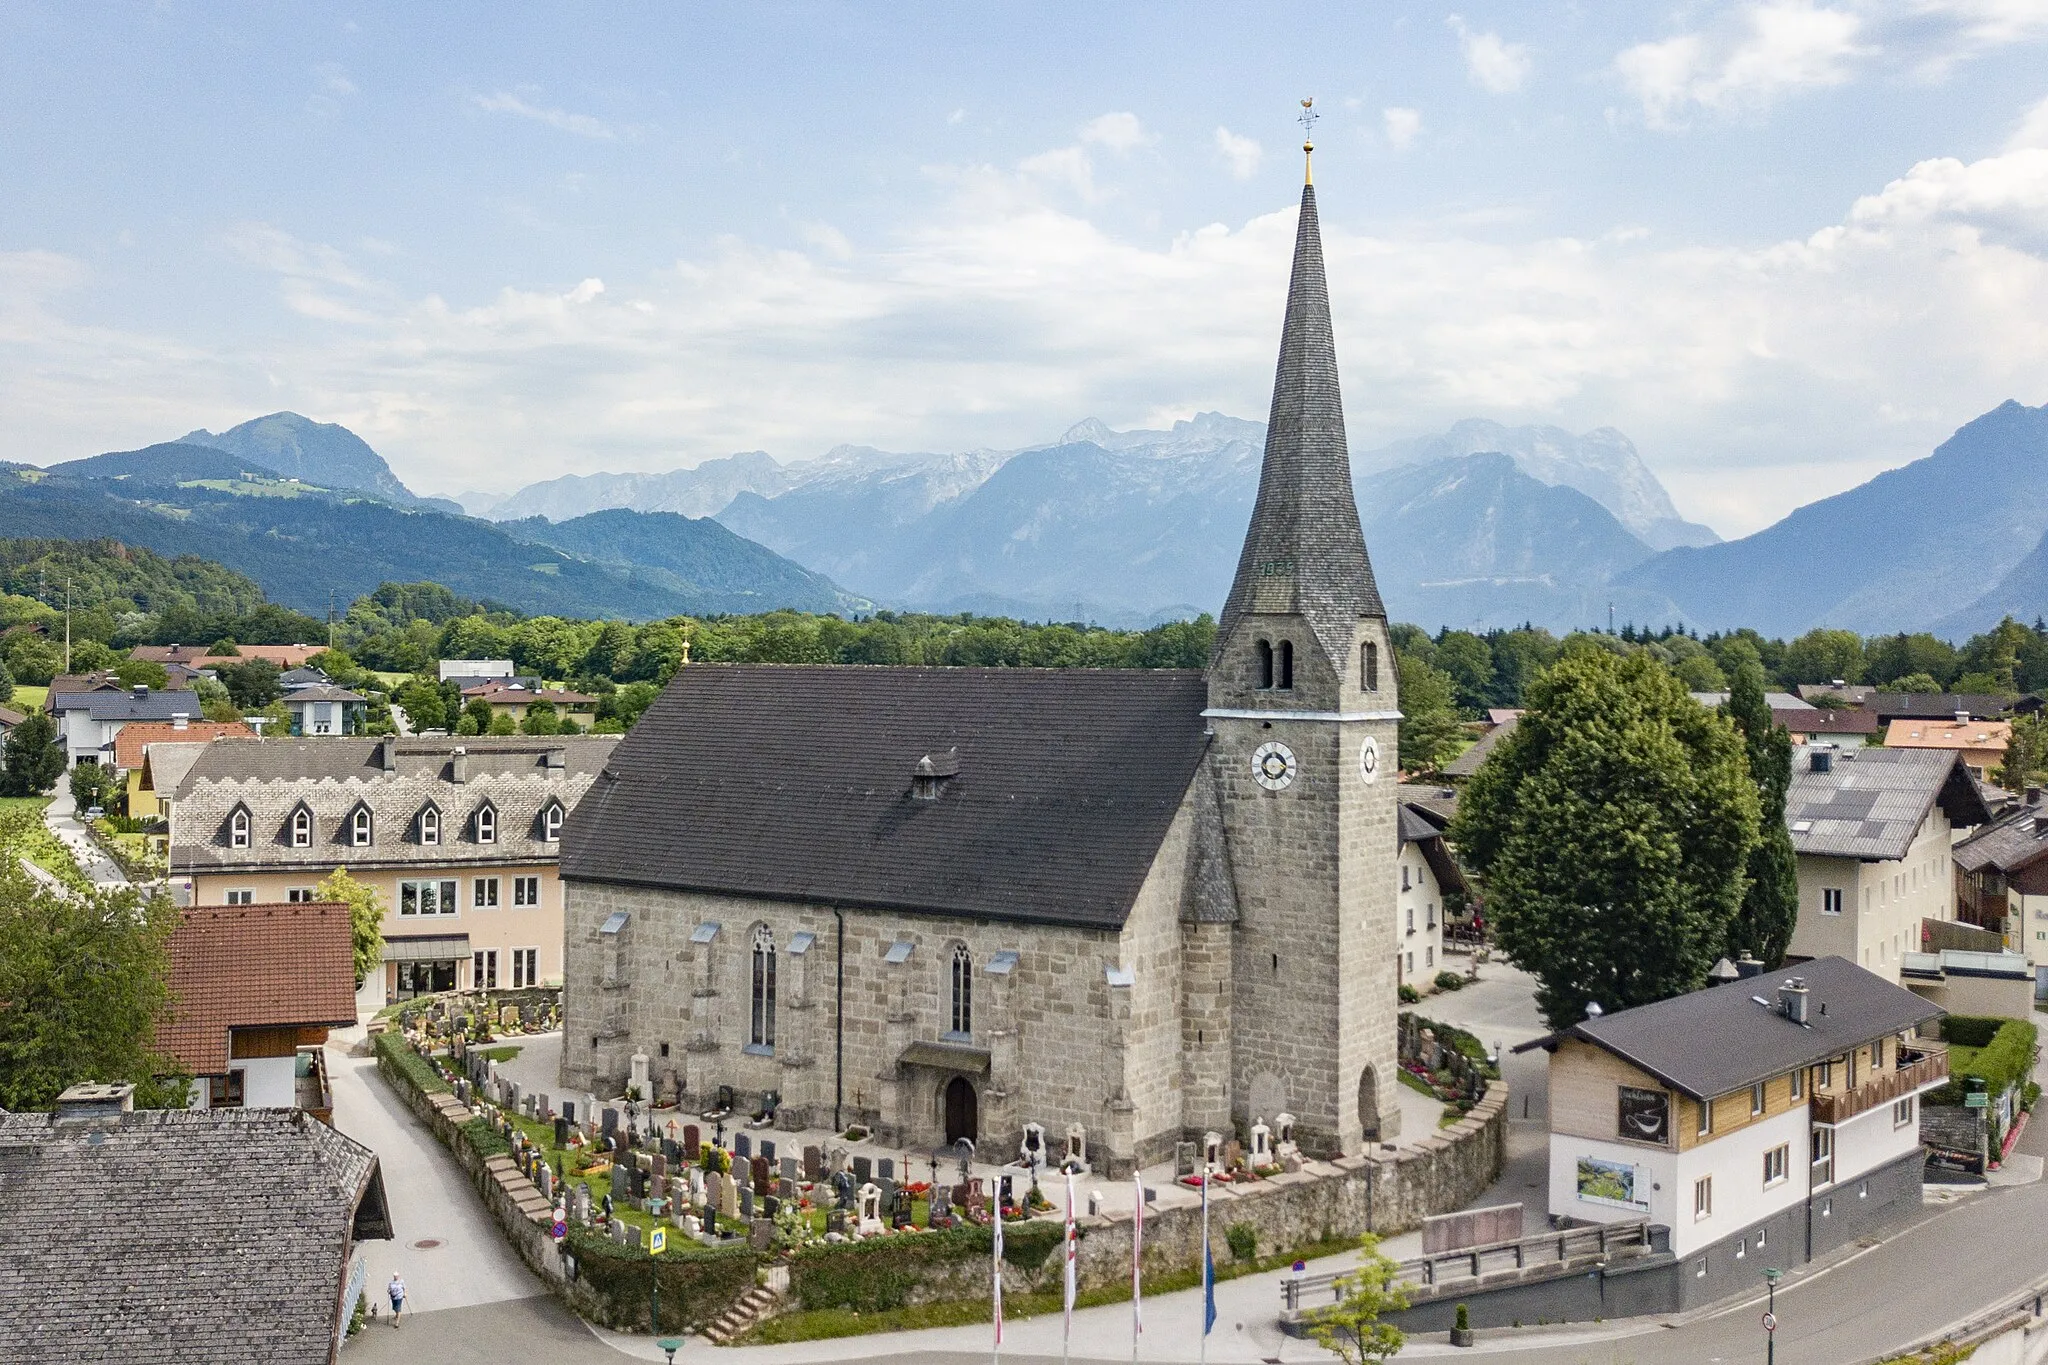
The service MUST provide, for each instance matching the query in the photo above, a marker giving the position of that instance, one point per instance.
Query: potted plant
(1461, 1334)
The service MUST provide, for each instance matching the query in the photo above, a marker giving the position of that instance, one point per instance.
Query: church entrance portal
(1369, 1105)
(962, 1111)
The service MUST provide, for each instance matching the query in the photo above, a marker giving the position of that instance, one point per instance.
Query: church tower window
(1264, 649)
(1286, 683)
(1369, 666)
(762, 1035)
(963, 991)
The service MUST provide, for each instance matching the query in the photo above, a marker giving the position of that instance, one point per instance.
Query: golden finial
(1308, 144)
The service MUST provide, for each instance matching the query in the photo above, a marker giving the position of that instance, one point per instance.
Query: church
(1126, 907)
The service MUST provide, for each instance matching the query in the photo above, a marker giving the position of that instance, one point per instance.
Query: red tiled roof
(134, 735)
(255, 966)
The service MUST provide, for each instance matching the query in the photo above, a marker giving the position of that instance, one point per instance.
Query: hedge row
(1970, 1030)
(2007, 1060)
(882, 1273)
(694, 1289)
(392, 1048)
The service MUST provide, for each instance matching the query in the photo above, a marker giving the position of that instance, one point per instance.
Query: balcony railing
(1931, 1068)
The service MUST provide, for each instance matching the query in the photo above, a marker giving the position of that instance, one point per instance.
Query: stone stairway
(754, 1305)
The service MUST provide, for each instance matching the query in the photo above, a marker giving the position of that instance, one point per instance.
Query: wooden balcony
(1930, 1068)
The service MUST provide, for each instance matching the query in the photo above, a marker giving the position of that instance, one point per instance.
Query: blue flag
(1208, 1291)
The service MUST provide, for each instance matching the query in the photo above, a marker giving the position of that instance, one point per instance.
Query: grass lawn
(38, 844)
(505, 1053)
(25, 700)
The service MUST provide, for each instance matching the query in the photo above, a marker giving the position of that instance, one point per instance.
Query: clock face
(1369, 759)
(1273, 766)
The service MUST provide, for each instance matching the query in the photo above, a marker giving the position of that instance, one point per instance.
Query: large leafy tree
(84, 980)
(1770, 900)
(365, 914)
(1611, 832)
(1429, 720)
(34, 757)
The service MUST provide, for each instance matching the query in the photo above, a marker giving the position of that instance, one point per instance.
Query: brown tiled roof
(1827, 720)
(1948, 734)
(256, 966)
(129, 743)
(498, 690)
(795, 782)
(2016, 840)
(9, 718)
(206, 1237)
(198, 656)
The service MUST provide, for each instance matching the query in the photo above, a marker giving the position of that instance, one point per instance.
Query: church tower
(1302, 702)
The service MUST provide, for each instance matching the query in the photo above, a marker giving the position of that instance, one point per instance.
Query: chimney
(1792, 998)
(92, 1100)
(387, 753)
(1962, 717)
(458, 766)
(931, 773)
(2033, 795)
(1748, 966)
(180, 721)
(1821, 760)
(1722, 973)
(141, 690)
(556, 761)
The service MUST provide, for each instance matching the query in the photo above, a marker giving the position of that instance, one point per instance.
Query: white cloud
(994, 317)
(333, 79)
(1069, 166)
(1242, 154)
(2033, 129)
(1120, 132)
(1766, 51)
(506, 102)
(1401, 126)
(1492, 63)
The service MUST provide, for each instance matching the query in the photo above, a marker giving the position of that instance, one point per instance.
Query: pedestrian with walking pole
(396, 1289)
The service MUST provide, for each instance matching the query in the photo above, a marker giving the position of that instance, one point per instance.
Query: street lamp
(669, 1346)
(1771, 1277)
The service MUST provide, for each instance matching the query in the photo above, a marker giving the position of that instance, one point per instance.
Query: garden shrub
(1454, 1037)
(1449, 981)
(1244, 1241)
(694, 1289)
(1970, 1030)
(1408, 994)
(394, 1052)
(881, 1273)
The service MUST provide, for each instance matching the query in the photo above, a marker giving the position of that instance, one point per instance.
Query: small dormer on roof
(931, 773)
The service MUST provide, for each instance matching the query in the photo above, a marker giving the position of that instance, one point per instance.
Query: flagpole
(1208, 1266)
(996, 1274)
(1067, 1328)
(1137, 1260)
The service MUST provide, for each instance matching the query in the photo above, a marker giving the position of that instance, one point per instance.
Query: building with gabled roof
(461, 838)
(1982, 743)
(1125, 907)
(214, 1237)
(1873, 829)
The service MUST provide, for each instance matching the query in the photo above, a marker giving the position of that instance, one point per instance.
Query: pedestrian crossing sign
(656, 1241)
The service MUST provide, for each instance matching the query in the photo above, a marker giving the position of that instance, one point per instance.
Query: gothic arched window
(1264, 650)
(1369, 666)
(302, 828)
(238, 828)
(763, 1031)
(1286, 683)
(963, 990)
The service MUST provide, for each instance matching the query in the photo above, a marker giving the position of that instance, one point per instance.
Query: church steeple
(1305, 552)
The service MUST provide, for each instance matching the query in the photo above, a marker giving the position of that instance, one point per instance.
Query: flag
(1137, 1258)
(996, 1273)
(1067, 1328)
(1208, 1261)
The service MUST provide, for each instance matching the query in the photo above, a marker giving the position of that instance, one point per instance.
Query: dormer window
(238, 828)
(1263, 651)
(359, 827)
(301, 828)
(1285, 666)
(429, 825)
(486, 824)
(931, 773)
(551, 821)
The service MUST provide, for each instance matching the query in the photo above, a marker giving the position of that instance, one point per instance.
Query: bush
(1408, 994)
(1449, 981)
(2006, 1061)
(395, 1052)
(1244, 1241)
(1970, 1030)
(882, 1273)
(1464, 1323)
(694, 1289)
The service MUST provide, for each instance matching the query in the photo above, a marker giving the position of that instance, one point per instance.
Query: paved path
(470, 1262)
(61, 815)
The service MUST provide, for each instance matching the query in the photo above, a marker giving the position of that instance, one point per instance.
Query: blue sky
(1781, 245)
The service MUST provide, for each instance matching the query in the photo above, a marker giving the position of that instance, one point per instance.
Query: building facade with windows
(1874, 831)
(1763, 1122)
(1428, 871)
(461, 838)
(1126, 906)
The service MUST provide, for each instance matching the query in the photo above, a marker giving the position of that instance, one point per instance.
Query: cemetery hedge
(883, 1273)
(612, 1282)
(394, 1052)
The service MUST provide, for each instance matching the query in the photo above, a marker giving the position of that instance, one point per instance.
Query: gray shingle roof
(2010, 844)
(209, 1237)
(1305, 551)
(129, 706)
(1467, 763)
(333, 775)
(1870, 804)
(794, 782)
(1718, 1040)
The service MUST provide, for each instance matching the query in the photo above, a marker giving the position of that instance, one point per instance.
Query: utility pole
(67, 625)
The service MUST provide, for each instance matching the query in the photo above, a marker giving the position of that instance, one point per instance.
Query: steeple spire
(1305, 551)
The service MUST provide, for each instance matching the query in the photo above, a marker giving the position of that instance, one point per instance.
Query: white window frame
(483, 970)
(525, 967)
(238, 829)
(1778, 1165)
(525, 892)
(430, 826)
(440, 891)
(483, 894)
(1831, 900)
(298, 895)
(1703, 1199)
(551, 817)
(486, 825)
(1903, 1111)
(762, 990)
(240, 896)
(362, 828)
(1822, 1153)
(302, 828)
(1706, 1128)
(1757, 1099)
(961, 999)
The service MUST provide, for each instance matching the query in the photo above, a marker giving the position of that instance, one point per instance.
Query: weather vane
(1308, 141)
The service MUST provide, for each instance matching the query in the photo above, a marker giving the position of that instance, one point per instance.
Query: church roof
(1305, 552)
(796, 782)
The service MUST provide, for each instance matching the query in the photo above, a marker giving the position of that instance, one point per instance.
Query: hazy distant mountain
(1602, 464)
(1900, 552)
(698, 492)
(317, 452)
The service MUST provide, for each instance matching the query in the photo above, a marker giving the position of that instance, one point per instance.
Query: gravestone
(761, 1234)
(728, 1196)
(836, 1159)
(835, 1222)
(617, 1231)
(1262, 1144)
(561, 1131)
(743, 1145)
(671, 1151)
(609, 1119)
(863, 1170)
(963, 1195)
(622, 1182)
(693, 1142)
(785, 1190)
(870, 1220)
(658, 1162)
(768, 1148)
(746, 1201)
(1233, 1155)
(657, 1186)
(570, 1111)
(1032, 1149)
(1184, 1159)
(814, 1164)
(771, 1206)
(789, 1168)
(542, 1109)
(761, 1174)
(886, 1168)
(900, 1209)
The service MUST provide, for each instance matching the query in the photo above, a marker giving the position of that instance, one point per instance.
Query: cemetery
(632, 1208)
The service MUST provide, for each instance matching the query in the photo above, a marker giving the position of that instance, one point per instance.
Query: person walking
(396, 1289)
